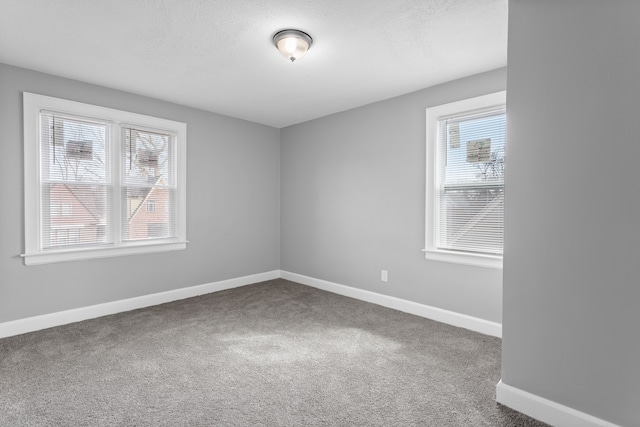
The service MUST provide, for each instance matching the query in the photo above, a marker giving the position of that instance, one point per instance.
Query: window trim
(33, 105)
(433, 115)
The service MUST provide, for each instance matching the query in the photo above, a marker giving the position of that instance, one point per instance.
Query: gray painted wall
(571, 271)
(353, 202)
(233, 216)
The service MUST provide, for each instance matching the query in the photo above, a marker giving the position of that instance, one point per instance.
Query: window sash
(467, 221)
(148, 173)
(475, 227)
(75, 180)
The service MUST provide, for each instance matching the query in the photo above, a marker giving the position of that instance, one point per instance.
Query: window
(89, 174)
(67, 209)
(466, 144)
(58, 208)
(65, 236)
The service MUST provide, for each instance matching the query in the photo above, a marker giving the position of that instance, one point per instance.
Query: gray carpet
(275, 353)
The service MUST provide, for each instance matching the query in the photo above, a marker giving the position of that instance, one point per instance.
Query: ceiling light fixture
(292, 44)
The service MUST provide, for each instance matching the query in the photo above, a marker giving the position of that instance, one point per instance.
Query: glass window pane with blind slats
(470, 191)
(75, 181)
(150, 185)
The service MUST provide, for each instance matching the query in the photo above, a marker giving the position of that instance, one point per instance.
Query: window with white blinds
(91, 178)
(466, 146)
(75, 181)
(149, 185)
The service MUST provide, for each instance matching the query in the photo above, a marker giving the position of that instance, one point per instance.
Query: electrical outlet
(384, 275)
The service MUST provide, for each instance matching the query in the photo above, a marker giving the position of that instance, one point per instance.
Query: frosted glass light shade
(292, 44)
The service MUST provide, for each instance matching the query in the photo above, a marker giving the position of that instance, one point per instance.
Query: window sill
(48, 257)
(485, 261)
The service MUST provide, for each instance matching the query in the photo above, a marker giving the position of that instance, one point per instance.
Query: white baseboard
(36, 323)
(545, 410)
(445, 316)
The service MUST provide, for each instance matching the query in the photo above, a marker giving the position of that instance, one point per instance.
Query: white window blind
(470, 184)
(75, 181)
(101, 182)
(148, 164)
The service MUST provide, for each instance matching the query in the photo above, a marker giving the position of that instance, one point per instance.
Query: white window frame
(34, 252)
(434, 114)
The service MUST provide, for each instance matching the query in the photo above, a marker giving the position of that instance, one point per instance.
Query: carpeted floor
(275, 353)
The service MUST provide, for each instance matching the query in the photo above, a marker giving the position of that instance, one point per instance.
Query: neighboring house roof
(144, 193)
(87, 198)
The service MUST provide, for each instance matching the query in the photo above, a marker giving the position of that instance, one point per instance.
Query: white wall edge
(434, 313)
(545, 410)
(36, 323)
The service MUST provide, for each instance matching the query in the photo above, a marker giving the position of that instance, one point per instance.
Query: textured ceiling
(217, 55)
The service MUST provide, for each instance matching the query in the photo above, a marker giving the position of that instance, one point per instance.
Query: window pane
(73, 149)
(74, 198)
(148, 158)
(475, 149)
(149, 178)
(82, 219)
(472, 220)
(142, 221)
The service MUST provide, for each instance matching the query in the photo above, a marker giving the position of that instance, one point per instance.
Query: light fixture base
(292, 44)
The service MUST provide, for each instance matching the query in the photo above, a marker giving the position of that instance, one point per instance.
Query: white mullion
(180, 148)
(173, 200)
(115, 214)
